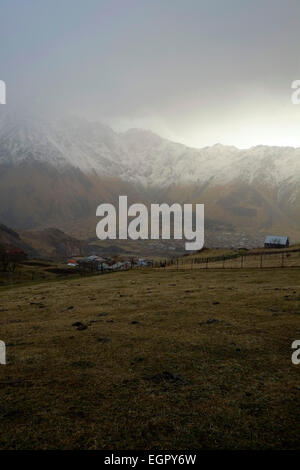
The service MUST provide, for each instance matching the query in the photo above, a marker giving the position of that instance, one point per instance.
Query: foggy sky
(198, 72)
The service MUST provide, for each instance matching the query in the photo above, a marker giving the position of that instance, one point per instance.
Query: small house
(273, 241)
(72, 262)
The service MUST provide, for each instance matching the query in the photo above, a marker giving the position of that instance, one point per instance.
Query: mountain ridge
(55, 173)
(95, 148)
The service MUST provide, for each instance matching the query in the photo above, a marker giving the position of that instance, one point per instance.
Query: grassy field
(236, 259)
(152, 359)
(35, 270)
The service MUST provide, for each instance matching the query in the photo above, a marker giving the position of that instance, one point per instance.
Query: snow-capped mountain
(59, 171)
(141, 156)
(66, 143)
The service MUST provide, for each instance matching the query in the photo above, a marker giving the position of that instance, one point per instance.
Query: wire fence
(257, 260)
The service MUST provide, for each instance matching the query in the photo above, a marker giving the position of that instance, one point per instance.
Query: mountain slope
(49, 242)
(11, 239)
(56, 173)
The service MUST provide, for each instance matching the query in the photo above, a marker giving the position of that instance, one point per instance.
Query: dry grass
(251, 259)
(35, 270)
(104, 387)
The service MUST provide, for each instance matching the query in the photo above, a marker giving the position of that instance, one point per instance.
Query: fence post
(261, 261)
(242, 261)
(282, 260)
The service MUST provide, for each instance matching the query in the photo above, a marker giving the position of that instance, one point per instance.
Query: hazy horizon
(16, 116)
(192, 72)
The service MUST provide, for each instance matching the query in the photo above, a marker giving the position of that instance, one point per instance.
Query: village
(95, 263)
(12, 257)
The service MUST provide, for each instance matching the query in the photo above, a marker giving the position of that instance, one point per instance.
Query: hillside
(53, 243)
(47, 243)
(56, 174)
(11, 239)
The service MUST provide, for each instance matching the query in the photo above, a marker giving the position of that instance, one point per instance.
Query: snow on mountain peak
(138, 155)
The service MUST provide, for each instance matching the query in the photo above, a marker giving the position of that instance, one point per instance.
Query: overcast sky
(198, 72)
